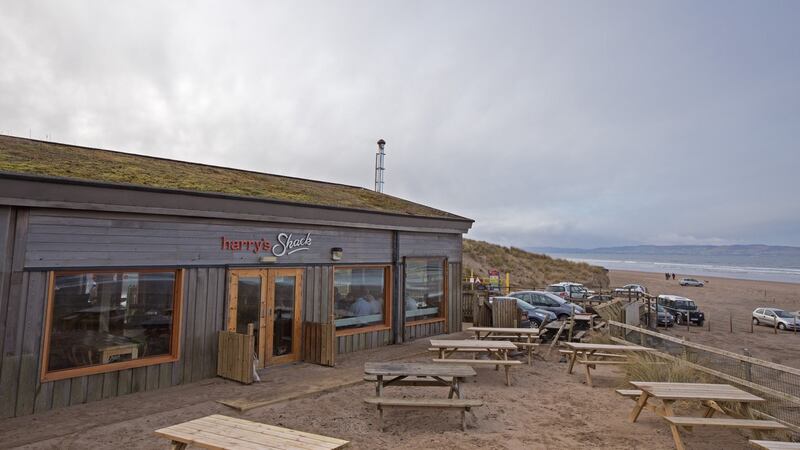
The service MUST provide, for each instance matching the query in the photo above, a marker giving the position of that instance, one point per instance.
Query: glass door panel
(248, 305)
(284, 315)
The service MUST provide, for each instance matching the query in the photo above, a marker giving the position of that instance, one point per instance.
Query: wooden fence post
(731, 321)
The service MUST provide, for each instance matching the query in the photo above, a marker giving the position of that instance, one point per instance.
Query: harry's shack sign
(286, 245)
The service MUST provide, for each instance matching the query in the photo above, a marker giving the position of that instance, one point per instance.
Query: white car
(690, 282)
(568, 290)
(633, 288)
(769, 316)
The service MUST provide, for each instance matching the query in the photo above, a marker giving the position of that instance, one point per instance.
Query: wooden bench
(463, 404)
(223, 432)
(775, 445)
(592, 364)
(756, 425)
(410, 381)
(606, 355)
(506, 363)
(629, 393)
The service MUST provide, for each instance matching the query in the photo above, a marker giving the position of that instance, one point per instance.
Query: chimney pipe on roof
(379, 168)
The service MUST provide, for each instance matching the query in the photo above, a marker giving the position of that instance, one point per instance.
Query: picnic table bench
(223, 432)
(529, 335)
(387, 374)
(775, 445)
(498, 350)
(708, 394)
(589, 355)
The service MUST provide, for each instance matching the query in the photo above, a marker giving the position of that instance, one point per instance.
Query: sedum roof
(39, 158)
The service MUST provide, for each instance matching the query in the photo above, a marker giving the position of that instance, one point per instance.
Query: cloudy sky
(572, 124)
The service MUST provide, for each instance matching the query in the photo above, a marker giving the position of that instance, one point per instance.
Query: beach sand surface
(725, 301)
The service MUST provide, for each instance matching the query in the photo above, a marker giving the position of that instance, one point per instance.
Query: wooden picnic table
(708, 394)
(495, 349)
(223, 432)
(386, 374)
(528, 334)
(590, 354)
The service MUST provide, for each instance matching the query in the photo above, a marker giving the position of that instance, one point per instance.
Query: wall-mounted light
(268, 259)
(336, 253)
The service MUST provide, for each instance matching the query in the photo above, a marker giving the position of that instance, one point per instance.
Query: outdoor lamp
(336, 253)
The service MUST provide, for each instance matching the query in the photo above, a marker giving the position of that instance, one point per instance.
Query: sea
(778, 269)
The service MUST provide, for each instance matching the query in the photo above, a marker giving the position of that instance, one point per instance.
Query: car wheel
(755, 321)
(700, 323)
(536, 323)
(563, 317)
(782, 326)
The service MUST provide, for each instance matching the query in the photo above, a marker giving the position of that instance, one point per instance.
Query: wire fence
(776, 383)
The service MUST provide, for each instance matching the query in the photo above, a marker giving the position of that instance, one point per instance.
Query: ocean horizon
(685, 269)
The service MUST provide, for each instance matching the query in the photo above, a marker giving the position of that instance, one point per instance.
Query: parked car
(690, 282)
(771, 316)
(600, 298)
(548, 301)
(536, 317)
(663, 317)
(568, 290)
(684, 309)
(632, 288)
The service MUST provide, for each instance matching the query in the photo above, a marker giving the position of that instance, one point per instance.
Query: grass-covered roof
(32, 157)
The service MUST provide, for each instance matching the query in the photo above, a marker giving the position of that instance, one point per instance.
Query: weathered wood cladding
(60, 238)
(363, 341)
(430, 244)
(23, 393)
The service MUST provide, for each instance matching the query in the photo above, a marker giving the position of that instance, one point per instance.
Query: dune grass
(528, 270)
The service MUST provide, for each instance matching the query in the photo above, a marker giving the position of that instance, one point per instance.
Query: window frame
(387, 301)
(175, 339)
(445, 292)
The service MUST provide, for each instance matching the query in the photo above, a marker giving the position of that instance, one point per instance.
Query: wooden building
(117, 271)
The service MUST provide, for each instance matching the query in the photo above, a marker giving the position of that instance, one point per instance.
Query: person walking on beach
(673, 276)
(666, 276)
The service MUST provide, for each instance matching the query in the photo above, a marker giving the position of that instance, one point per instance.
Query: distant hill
(528, 270)
(739, 255)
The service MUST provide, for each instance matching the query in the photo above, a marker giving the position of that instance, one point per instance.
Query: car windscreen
(783, 314)
(685, 304)
(524, 306)
(555, 288)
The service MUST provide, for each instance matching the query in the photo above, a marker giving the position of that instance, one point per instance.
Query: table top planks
(394, 369)
(775, 445)
(696, 391)
(223, 432)
(534, 331)
(612, 347)
(472, 343)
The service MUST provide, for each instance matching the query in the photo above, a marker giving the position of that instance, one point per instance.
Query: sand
(544, 409)
(725, 300)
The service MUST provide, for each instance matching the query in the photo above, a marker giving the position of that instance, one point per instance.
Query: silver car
(771, 316)
(549, 301)
(690, 282)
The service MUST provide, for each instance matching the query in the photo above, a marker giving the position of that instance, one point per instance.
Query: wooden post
(751, 325)
(731, 321)
(571, 323)
(708, 321)
(776, 325)
(687, 321)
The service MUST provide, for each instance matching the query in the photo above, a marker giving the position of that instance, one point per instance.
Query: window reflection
(107, 317)
(424, 288)
(359, 297)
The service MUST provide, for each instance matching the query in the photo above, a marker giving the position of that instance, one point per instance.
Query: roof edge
(143, 188)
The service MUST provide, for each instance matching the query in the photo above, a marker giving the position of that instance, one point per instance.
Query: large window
(101, 321)
(424, 288)
(360, 297)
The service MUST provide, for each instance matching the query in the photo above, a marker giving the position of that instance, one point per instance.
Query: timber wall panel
(204, 292)
(61, 238)
(430, 244)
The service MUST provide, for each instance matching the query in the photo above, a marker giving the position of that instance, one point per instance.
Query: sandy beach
(724, 300)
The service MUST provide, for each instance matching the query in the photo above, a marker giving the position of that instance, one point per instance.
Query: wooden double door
(269, 301)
